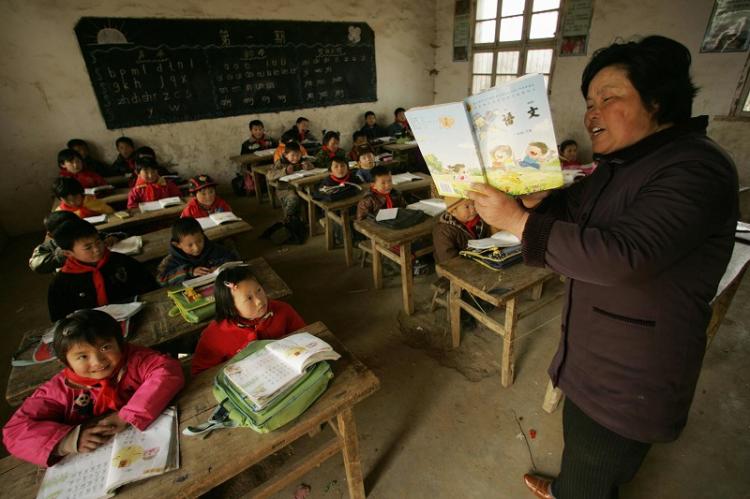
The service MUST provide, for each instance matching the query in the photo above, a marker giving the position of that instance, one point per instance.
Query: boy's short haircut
(291, 146)
(67, 155)
(340, 160)
(369, 113)
(255, 123)
(566, 143)
(358, 134)
(225, 309)
(126, 140)
(71, 231)
(85, 326)
(57, 218)
(144, 152)
(63, 187)
(77, 142)
(301, 119)
(142, 162)
(330, 134)
(379, 171)
(365, 149)
(185, 227)
(399, 110)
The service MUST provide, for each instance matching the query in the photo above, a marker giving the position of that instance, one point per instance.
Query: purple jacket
(149, 382)
(644, 242)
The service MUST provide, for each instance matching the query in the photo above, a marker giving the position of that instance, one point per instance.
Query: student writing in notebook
(204, 200)
(92, 275)
(150, 186)
(71, 195)
(71, 165)
(106, 386)
(243, 314)
(191, 254)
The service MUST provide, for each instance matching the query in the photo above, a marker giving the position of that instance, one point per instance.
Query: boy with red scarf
(400, 127)
(71, 165)
(106, 386)
(457, 224)
(70, 193)
(330, 150)
(204, 200)
(381, 194)
(150, 186)
(92, 275)
(300, 132)
(125, 162)
(290, 162)
(340, 174)
(258, 140)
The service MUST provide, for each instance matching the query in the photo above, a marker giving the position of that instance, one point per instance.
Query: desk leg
(346, 230)
(536, 291)
(407, 278)
(350, 443)
(310, 214)
(329, 231)
(506, 368)
(271, 193)
(377, 265)
(256, 181)
(454, 311)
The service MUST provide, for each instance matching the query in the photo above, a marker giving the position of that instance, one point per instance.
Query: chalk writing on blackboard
(150, 71)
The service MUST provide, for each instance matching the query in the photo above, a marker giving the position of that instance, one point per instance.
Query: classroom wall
(683, 20)
(46, 95)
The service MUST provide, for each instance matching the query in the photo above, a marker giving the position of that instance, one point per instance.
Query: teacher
(643, 242)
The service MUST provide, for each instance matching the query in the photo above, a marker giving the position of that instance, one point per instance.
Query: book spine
(476, 142)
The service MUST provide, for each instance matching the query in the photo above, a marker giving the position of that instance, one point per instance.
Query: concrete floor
(442, 426)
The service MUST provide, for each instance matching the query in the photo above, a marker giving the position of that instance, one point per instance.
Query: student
(106, 386)
(150, 186)
(90, 163)
(289, 163)
(359, 140)
(148, 152)
(258, 140)
(366, 163)
(329, 150)
(243, 314)
(371, 129)
(399, 127)
(125, 161)
(340, 174)
(381, 195)
(279, 152)
(92, 275)
(48, 256)
(204, 200)
(71, 165)
(300, 132)
(191, 254)
(70, 193)
(568, 150)
(456, 225)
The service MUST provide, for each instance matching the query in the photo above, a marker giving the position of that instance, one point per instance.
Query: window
(741, 104)
(512, 38)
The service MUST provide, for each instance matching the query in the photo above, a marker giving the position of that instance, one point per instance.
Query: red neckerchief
(301, 135)
(471, 226)
(257, 325)
(81, 211)
(106, 399)
(342, 180)
(331, 154)
(386, 195)
(261, 141)
(73, 266)
(152, 189)
(405, 125)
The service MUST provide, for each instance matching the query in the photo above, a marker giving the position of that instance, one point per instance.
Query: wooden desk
(395, 148)
(118, 195)
(206, 463)
(151, 327)
(382, 239)
(257, 171)
(118, 180)
(338, 212)
(252, 159)
(137, 218)
(500, 288)
(304, 187)
(156, 244)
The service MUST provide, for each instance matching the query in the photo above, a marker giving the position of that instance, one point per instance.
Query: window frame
(522, 46)
(742, 93)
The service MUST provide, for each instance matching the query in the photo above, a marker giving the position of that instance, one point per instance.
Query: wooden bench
(206, 463)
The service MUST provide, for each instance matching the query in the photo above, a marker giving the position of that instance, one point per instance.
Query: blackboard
(150, 71)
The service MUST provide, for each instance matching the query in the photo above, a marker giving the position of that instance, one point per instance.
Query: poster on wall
(575, 29)
(728, 28)
(461, 31)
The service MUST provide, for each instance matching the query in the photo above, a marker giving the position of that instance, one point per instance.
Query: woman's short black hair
(63, 187)
(71, 231)
(89, 326)
(185, 227)
(331, 135)
(659, 69)
(223, 294)
(67, 155)
(126, 140)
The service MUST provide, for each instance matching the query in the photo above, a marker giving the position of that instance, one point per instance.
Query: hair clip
(230, 285)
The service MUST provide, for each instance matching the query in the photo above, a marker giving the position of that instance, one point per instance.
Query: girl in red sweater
(243, 314)
(204, 201)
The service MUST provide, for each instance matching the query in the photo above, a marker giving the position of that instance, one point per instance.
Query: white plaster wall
(683, 20)
(46, 95)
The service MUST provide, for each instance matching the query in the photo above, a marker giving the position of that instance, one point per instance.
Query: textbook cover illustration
(503, 137)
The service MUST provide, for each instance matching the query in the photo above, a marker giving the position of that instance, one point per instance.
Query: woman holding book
(644, 242)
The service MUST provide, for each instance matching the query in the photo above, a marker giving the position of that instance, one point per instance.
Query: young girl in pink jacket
(106, 386)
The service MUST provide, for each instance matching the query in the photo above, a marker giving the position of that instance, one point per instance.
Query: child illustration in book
(535, 153)
(502, 157)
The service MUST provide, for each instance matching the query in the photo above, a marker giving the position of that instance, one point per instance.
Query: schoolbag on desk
(336, 192)
(194, 305)
(405, 218)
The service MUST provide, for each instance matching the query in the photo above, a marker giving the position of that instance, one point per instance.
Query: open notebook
(210, 278)
(130, 456)
(216, 219)
(93, 191)
(160, 204)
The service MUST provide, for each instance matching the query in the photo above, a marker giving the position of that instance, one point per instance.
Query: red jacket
(196, 210)
(87, 178)
(220, 341)
(144, 191)
(81, 211)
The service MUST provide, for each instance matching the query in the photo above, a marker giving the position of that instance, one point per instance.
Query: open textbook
(503, 137)
(268, 372)
(216, 219)
(130, 456)
(211, 277)
(129, 246)
(93, 191)
(158, 205)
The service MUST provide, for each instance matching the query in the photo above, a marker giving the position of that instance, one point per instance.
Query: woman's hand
(532, 200)
(498, 209)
